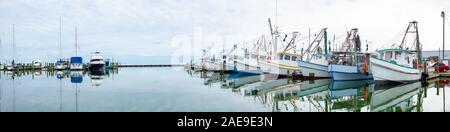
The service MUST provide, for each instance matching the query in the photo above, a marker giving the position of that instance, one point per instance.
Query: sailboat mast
(60, 38)
(76, 42)
(13, 42)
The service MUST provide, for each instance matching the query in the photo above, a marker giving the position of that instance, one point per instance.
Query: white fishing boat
(282, 63)
(248, 64)
(349, 63)
(399, 64)
(315, 62)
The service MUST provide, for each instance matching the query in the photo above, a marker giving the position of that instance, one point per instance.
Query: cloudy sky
(150, 27)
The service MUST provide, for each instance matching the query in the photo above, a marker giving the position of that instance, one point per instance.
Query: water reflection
(22, 86)
(325, 95)
(166, 89)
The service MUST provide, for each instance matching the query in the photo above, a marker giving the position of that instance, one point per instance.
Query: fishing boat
(315, 62)
(96, 62)
(400, 63)
(282, 63)
(349, 63)
(248, 64)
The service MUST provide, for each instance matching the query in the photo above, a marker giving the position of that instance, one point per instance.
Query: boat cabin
(397, 56)
(283, 56)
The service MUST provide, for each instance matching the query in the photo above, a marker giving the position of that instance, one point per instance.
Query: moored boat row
(345, 63)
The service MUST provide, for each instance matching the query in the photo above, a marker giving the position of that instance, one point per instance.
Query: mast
(60, 38)
(325, 42)
(76, 42)
(13, 42)
(418, 44)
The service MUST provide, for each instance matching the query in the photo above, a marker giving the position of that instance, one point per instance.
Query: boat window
(294, 58)
(281, 57)
(398, 54)
(407, 59)
(287, 57)
(388, 56)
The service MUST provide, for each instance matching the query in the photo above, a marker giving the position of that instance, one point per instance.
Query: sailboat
(13, 66)
(61, 63)
(315, 62)
(349, 63)
(282, 63)
(399, 64)
(76, 63)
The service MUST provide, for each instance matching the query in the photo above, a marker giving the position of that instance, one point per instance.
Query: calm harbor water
(179, 90)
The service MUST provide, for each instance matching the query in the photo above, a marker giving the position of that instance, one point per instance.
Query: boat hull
(385, 71)
(96, 67)
(347, 73)
(75, 67)
(242, 67)
(313, 70)
(277, 68)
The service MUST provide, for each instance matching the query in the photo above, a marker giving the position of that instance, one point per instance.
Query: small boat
(349, 63)
(76, 63)
(37, 65)
(60, 65)
(96, 62)
(315, 62)
(9, 67)
(398, 64)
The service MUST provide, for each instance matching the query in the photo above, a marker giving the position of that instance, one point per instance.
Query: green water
(180, 90)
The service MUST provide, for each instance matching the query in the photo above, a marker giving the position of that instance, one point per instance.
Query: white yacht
(97, 62)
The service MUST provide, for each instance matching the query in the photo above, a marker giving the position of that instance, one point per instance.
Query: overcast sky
(149, 27)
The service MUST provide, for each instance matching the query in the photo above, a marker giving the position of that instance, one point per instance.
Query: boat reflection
(325, 95)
